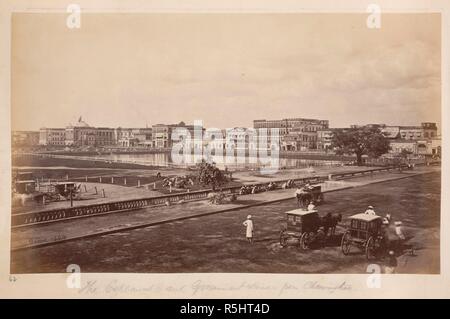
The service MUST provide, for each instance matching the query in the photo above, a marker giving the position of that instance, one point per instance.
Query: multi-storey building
(286, 125)
(425, 130)
(162, 135)
(105, 136)
(324, 139)
(293, 133)
(301, 138)
(416, 139)
(80, 134)
(129, 137)
(52, 136)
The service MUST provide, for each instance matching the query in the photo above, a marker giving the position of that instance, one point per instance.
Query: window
(363, 225)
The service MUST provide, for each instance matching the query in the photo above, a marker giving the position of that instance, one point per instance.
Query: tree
(209, 174)
(360, 141)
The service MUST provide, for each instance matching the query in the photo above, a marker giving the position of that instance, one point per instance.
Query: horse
(330, 221)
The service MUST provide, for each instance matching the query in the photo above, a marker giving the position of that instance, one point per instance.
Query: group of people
(390, 238)
(386, 221)
(254, 189)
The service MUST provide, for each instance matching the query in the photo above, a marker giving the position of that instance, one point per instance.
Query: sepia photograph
(225, 143)
(194, 142)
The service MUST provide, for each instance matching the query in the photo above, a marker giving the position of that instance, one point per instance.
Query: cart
(309, 194)
(364, 231)
(303, 225)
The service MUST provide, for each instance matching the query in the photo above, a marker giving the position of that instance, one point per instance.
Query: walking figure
(391, 263)
(249, 228)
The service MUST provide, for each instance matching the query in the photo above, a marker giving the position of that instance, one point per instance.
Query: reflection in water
(165, 160)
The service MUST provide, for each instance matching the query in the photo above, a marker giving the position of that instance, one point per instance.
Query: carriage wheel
(305, 240)
(283, 239)
(370, 248)
(346, 243)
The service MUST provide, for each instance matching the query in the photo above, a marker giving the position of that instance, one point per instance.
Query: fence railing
(47, 216)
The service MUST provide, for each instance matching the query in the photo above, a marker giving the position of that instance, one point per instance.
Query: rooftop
(301, 212)
(365, 217)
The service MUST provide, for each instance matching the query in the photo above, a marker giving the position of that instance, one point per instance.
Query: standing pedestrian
(249, 228)
(399, 230)
(391, 263)
(311, 206)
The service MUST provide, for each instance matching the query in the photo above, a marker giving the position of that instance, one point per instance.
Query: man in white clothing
(370, 211)
(249, 228)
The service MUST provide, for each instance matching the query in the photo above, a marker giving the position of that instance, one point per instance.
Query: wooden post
(100, 179)
(71, 197)
(170, 188)
(112, 179)
(96, 192)
(85, 188)
(67, 177)
(103, 193)
(86, 178)
(139, 183)
(125, 181)
(154, 185)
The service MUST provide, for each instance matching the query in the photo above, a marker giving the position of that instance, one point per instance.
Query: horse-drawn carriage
(367, 232)
(364, 231)
(309, 194)
(305, 226)
(66, 190)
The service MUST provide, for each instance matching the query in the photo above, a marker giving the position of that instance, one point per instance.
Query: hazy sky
(225, 69)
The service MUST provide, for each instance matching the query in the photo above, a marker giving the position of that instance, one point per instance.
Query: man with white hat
(398, 230)
(249, 230)
(311, 206)
(370, 211)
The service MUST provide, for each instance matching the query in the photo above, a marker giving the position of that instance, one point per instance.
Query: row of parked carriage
(363, 231)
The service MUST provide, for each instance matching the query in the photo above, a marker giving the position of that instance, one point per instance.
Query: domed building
(80, 134)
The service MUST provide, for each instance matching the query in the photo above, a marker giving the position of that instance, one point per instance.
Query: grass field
(217, 243)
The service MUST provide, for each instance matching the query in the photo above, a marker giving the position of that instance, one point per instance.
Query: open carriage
(309, 194)
(65, 190)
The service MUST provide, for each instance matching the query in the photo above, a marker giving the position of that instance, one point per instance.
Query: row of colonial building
(82, 134)
(298, 134)
(294, 134)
